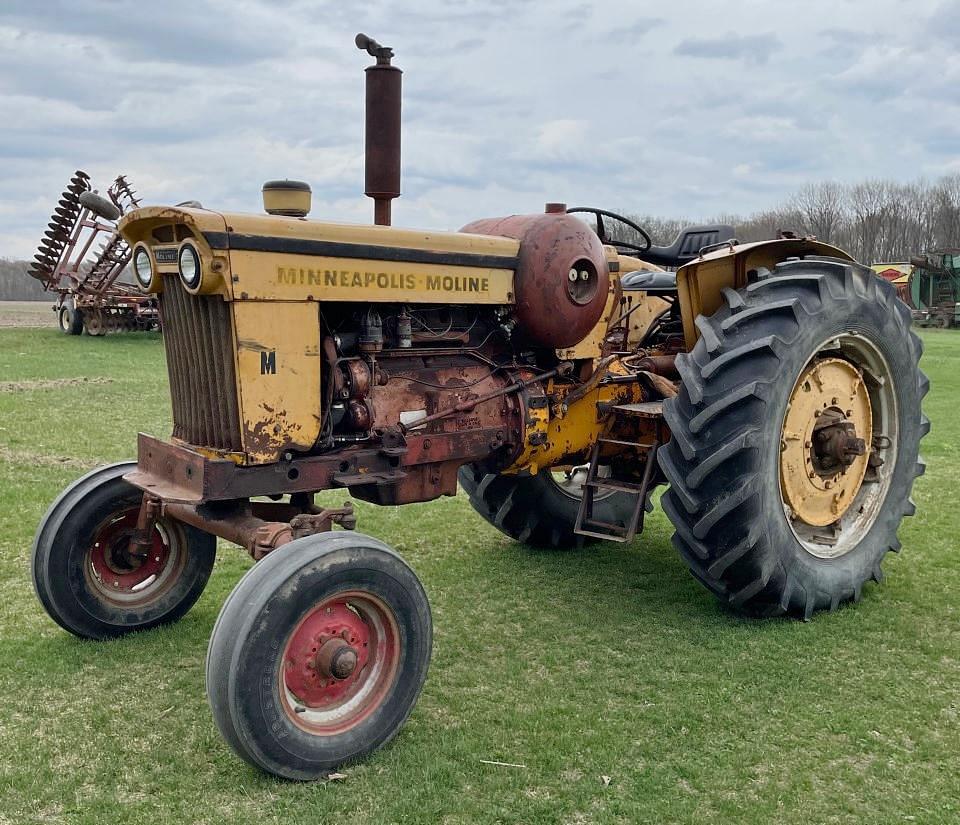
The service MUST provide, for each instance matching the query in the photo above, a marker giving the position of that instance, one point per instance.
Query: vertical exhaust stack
(382, 129)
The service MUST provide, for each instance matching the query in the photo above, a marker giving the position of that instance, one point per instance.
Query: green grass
(606, 662)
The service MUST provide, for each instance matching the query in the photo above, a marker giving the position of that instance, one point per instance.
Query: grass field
(626, 692)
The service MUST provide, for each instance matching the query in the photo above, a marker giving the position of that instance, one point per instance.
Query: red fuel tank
(561, 280)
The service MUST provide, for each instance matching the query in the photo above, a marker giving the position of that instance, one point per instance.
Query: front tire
(90, 585)
(319, 655)
(773, 510)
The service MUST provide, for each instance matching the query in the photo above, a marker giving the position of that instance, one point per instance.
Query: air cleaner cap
(287, 197)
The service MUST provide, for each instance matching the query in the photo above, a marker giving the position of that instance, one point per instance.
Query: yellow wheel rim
(825, 443)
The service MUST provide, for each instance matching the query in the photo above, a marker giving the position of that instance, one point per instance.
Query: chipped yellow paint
(572, 435)
(278, 376)
(274, 295)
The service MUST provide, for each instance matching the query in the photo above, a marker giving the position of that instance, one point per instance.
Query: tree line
(875, 220)
(17, 285)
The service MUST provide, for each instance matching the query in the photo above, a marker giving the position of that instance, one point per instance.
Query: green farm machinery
(935, 288)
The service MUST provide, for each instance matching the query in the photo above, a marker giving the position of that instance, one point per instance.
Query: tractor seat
(650, 280)
(687, 245)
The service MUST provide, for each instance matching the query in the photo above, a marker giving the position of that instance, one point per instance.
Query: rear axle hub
(823, 454)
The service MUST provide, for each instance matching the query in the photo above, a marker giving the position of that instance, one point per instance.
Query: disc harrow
(82, 258)
(57, 238)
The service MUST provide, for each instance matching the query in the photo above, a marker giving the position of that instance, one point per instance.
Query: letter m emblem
(268, 362)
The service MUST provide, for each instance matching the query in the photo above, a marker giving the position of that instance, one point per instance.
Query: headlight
(190, 272)
(143, 267)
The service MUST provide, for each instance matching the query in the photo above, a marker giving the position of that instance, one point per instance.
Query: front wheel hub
(339, 662)
(336, 659)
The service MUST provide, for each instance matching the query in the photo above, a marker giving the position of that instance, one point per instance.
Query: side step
(586, 524)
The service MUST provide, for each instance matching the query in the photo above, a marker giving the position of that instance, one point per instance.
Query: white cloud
(506, 104)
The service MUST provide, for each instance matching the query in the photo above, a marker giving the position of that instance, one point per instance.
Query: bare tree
(823, 207)
(17, 285)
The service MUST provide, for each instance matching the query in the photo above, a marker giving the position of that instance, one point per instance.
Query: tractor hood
(268, 257)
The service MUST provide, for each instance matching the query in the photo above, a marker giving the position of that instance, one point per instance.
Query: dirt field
(27, 314)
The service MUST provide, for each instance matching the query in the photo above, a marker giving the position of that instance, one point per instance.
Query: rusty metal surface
(383, 105)
(236, 524)
(422, 469)
(665, 365)
(171, 472)
(198, 339)
(259, 527)
(556, 304)
(455, 397)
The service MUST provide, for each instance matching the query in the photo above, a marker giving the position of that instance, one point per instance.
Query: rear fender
(699, 283)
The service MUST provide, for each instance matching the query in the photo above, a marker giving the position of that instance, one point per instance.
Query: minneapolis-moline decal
(407, 281)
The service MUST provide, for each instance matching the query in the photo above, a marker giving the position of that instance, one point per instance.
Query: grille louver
(203, 386)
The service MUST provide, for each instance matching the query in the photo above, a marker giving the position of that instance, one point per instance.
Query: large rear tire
(319, 655)
(540, 510)
(87, 581)
(773, 511)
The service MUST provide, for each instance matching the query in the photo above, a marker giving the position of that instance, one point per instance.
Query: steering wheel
(602, 230)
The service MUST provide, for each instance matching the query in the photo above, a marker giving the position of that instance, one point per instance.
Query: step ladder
(586, 524)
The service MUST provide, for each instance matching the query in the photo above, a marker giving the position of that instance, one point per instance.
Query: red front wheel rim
(122, 579)
(339, 663)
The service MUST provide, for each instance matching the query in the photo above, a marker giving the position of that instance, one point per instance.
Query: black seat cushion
(688, 244)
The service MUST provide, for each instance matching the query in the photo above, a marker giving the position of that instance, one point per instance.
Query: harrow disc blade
(46, 252)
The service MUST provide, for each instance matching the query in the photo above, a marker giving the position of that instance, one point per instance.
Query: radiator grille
(203, 385)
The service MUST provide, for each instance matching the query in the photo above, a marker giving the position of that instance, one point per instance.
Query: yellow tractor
(557, 374)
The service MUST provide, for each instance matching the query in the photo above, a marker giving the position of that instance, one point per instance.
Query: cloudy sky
(683, 108)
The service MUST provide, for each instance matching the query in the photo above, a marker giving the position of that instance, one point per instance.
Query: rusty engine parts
(554, 373)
